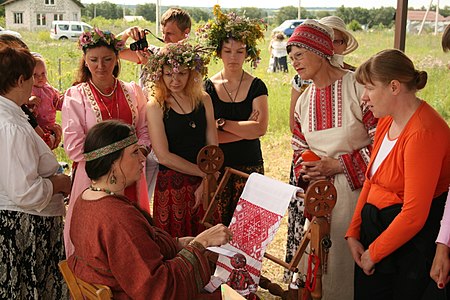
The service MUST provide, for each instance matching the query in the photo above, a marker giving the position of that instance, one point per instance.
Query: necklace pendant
(192, 124)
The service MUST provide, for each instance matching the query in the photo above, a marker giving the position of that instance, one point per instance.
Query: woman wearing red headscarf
(330, 120)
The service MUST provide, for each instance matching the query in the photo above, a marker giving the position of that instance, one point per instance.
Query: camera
(141, 44)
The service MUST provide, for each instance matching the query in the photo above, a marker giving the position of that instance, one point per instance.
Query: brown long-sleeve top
(116, 246)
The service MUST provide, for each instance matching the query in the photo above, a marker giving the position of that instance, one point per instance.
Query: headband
(314, 37)
(132, 139)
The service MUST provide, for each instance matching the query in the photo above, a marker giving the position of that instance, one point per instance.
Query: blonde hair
(388, 65)
(193, 89)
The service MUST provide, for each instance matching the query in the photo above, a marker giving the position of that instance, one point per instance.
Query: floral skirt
(173, 201)
(30, 248)
(228, 199)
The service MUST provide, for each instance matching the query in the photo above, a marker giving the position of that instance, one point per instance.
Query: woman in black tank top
(180, 122)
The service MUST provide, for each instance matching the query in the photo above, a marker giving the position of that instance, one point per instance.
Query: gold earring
(112, 179)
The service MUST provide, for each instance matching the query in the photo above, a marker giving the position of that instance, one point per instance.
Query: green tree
(104, 9)
(354, 26)
(322, 14)
(286, 13)
(253, 12)
(2, 9)
(199, 14)
(383, 15)
(148, 11)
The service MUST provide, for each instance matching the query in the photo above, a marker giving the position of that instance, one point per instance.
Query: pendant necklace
(108, 95)
(191, 122)
(237, 90)
(97, 189)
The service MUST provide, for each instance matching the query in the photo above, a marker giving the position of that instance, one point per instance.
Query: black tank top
(184, 140)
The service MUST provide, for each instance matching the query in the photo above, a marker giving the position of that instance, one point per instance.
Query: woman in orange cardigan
(396, 221)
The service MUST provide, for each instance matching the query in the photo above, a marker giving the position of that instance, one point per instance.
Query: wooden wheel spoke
(210, 159)
(320, 198)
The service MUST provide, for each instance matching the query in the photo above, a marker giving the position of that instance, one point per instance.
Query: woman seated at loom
(115, 241)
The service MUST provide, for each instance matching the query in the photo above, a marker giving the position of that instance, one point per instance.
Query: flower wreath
(230, 25)
(177, 55)
(96, 37)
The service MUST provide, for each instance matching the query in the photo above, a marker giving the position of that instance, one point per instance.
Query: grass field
(62, 59)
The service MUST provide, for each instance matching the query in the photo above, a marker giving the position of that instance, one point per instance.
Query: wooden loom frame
(317, 231)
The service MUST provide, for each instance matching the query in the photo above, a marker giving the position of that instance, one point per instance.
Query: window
(49, 2)
(57, 17)
(75, 16)
(18, 18)
(76, 27)
(40, 20)
(64, 27)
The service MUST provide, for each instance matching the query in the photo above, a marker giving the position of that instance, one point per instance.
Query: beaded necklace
(97, 189)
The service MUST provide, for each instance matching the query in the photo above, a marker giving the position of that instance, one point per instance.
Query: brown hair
(83, 73)
(15, 61)
(446, 39)
(12, 41)
(388, 65)
(100, 135)
(179, 16)
(193, 89)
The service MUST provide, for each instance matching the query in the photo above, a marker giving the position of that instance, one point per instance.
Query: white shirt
(279, 49)
(385, 149)
(26, 162)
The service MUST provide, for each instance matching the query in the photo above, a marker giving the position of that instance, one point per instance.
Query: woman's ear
(395, 87)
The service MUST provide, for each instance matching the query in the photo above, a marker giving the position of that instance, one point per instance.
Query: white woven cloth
(255, 221)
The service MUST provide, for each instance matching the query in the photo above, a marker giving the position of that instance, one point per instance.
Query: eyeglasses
(338, 42)
(296, 57)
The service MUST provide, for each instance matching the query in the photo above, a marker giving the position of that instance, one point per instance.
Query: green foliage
(286, 13)
(148, 11)
(104, 9)
(199, 14)
(354, 26)
(253, 12)
(2, 22)
(369, 17)
(322, 14)
(291, 13)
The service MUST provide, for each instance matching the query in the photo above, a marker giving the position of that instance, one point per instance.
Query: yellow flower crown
(240, 28)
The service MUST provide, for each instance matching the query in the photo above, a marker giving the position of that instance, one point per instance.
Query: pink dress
(80, 112)
(46, 111)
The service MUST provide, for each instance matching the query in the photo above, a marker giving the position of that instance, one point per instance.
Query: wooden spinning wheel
(320, 198)
(209, 159)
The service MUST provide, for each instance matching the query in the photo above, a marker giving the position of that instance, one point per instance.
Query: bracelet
(197, 245)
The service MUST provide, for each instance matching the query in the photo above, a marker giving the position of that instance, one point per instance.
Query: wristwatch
(220, 123)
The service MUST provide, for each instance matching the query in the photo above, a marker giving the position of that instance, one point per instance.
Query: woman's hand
(199, 194)
(254, 115)
(320, 169)
(441, 266)
(61, 184)
(135, 32)
(368, 265)
(356, 249)
(217, 235)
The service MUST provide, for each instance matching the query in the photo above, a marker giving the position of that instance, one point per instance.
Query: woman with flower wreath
(181, 123)
(239, 99)
(98, 95)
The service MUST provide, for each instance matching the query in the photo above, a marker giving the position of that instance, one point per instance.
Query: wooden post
(400, 24)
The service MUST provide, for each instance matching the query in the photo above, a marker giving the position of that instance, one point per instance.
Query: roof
(11, 1)
(418, 15)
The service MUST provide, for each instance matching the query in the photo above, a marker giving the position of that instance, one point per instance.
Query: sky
(280, 3)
